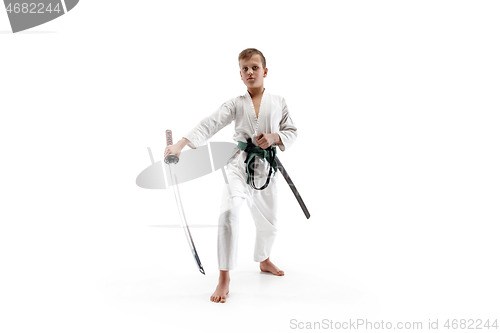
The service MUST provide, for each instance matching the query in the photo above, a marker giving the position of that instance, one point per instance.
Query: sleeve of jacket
(288, 130)
(210, 125)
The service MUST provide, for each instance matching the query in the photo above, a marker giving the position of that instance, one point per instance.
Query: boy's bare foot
(219, 295)
(268, 266)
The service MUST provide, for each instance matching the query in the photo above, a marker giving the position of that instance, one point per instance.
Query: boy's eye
(255, 67)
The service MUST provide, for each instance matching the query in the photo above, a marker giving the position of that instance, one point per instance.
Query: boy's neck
(256, 92)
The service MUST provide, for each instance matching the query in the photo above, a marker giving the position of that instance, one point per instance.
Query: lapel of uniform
(261, 119)
(252, 117)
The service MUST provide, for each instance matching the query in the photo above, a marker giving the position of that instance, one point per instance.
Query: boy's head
(248, 53)
(252, 68)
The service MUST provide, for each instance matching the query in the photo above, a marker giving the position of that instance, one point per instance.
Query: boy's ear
(265, 72)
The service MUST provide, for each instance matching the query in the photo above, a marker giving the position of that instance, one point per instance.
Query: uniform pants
(262, 205)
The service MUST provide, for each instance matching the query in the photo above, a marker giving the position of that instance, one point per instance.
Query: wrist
(277, 139)
(183, 142)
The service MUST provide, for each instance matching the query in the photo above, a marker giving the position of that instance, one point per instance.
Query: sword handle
(170, 141)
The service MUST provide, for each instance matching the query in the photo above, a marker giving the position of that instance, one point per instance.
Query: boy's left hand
(265, 140)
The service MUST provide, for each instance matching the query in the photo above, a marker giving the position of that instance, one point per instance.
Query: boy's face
(251, 71)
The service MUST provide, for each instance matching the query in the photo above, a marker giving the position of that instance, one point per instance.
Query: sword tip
(202, 271)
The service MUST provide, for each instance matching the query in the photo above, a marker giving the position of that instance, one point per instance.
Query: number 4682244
(32, 8)
(470, 324)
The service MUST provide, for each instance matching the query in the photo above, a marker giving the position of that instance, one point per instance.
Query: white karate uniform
(273, 118)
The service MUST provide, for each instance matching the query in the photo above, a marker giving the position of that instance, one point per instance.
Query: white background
(397, 159)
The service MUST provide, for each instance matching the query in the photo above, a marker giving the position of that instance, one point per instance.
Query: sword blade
(177, 194)
(292, 187)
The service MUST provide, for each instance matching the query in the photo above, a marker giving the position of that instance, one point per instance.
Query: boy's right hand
(173, 150)
(176, 148)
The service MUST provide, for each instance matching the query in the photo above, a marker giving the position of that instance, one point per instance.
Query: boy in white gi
(264, 119)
